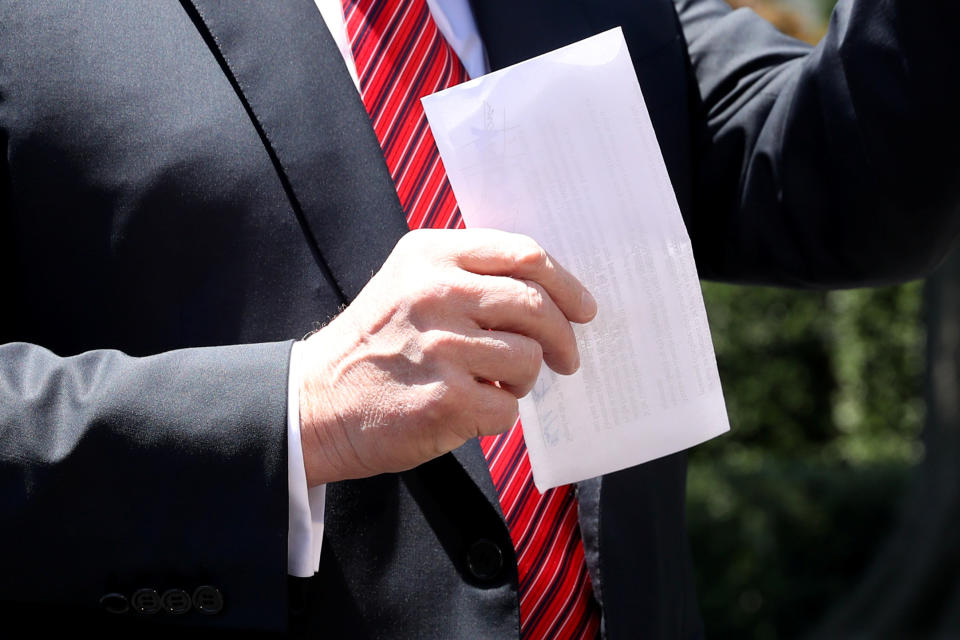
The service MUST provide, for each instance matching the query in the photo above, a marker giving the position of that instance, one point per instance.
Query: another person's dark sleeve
(835, 165)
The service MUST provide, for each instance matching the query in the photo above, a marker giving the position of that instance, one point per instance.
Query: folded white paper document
(561, 148)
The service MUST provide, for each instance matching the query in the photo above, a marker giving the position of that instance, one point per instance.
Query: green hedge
(824, 396)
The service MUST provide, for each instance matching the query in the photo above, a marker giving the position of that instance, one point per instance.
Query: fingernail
(588, 303)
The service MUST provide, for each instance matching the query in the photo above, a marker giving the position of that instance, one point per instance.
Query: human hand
(404, 373)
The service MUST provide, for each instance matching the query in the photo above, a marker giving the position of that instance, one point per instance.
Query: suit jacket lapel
(291, 78)
(471, 458)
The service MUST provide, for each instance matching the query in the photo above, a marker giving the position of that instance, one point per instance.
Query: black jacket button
(114, 603)
(176, 601)
(145, 601)
(484, 559)
(208, 600)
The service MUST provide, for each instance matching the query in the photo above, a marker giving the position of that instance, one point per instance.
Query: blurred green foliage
(826, 7)
(824, 396)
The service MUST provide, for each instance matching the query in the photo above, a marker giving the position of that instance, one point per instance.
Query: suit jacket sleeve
(827, 166)
(121, 473)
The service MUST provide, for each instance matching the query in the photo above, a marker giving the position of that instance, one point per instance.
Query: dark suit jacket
(182, 177)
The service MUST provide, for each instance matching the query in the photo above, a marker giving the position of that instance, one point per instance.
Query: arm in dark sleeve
(828, 166)
(163, 472)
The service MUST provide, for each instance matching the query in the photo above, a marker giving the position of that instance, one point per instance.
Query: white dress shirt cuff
(305, 520)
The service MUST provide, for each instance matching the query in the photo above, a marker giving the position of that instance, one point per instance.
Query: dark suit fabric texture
(187, 187)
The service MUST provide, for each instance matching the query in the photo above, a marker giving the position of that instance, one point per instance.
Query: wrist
(328, 455)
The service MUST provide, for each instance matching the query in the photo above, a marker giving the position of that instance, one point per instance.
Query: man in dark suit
(188, 186)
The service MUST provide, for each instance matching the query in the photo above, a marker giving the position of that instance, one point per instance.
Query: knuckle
(521, 389)
(534, 298)
(415, 237)
(445, 407)
(457, 403)
(507, 411)
(407, 241)
(529, 254)
(458, 387)
(435, 293)
(418, 244)
(410, 250)
(442, 400)
(532, 358)
(436, 344)
(434, 290)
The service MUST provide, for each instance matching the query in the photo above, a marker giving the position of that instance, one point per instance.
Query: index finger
(500, 253)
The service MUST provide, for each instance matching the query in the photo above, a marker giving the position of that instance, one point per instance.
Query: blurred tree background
(799, 517)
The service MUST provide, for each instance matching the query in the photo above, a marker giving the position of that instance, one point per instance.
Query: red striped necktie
(400, 57)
